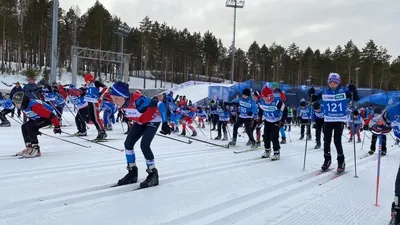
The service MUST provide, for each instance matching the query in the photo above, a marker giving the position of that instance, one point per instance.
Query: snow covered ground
(199, 184)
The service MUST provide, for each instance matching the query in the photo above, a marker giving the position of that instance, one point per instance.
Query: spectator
(15, 89)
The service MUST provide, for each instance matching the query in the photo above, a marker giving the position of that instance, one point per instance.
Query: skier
(202, 115)
(375, 120)
(318, 120)
(77, 97)
(355, 127)
(380, 125)
(92, 97)
(304, 114)
(274, 116)
(257, 119)
(213, 114)
(8, 107)
(147, 115)
(334, 100)
(40, 115)
(279, 95)
(223, 113)
(188, 116)
(247, 109)
(289, 119)
(109, 109)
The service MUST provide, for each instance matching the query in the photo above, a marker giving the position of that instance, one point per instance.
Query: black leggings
(30, 129)
(146, 132)
(81, 118)
(329, 129)
(247, 126)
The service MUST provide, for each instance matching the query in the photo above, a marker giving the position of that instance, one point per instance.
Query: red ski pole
(378, 171)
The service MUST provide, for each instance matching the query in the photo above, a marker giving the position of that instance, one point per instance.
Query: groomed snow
(199, 184)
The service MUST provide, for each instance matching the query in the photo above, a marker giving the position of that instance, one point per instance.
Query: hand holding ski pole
(57, 130)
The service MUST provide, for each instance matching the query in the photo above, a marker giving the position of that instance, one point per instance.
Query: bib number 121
(335, 107)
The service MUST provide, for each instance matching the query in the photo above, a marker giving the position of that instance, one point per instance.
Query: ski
(104, 140)
(210, 143)
(335, 175)
(319, 172)
(246, 150)
(365, 156)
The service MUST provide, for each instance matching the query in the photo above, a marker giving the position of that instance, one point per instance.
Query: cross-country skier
(213, 114)
(77, 97)
(274, 116)
(202, 115)
(334, 100)
(257, 119)
(247, 109)
(147, 115)
(318, 120)
(304, 115)
(188, 116)
(109, 109)
(223, 113)
(40, 115)
(93, 97)
(279, 95)
(356, 126)
(8, 107)
(380, 125)
(289, 119)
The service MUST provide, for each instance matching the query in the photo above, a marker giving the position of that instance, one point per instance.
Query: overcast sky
(315, 23)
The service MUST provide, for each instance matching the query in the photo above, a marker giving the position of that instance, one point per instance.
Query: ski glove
(165, 129)
(57, 130)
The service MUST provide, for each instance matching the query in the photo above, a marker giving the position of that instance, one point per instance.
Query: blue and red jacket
(37, 109)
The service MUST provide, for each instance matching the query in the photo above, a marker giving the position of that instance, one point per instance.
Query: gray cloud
(319, 24)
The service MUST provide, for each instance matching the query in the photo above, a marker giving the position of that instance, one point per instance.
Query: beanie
(121, 89)
(246, 92)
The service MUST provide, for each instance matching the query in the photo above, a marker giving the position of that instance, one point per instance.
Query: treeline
(181, 54)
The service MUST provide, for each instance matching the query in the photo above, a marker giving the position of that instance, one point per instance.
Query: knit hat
(274, 85)
(316, 105)
(266, 91)
(334, 77)
(246, 92)
(121, 89)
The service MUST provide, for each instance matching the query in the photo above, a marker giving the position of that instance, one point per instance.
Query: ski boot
(276, 156)
(203, 126)
(248, 143)
(309, 138)
(5, 124)
(359, 141)
(395, 212)
(283, 140)
(350, 140)
(80, 134)
(302, 137)
(225, 138)
(341, 164)
(28, 147)
(101, 135)
(318, 146)
(258, 144)
(266, 153)
(183, 133)
(253, 144)
(151, 179)
(371, 151)
(383, 153)
(327, 162)
(176, 130)
(33, 152)
(109, 127)
(131, 177)
(233, 142)
(194, 134)
(217, 138)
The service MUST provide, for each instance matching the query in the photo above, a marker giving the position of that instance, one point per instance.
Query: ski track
(290, 198)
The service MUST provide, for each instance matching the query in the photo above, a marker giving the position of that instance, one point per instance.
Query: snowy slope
(199, 184)
(66, 78)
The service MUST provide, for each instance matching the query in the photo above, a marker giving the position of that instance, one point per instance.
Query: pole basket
(235, 3)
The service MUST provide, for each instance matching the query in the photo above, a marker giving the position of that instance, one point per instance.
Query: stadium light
(122, 31)
(235, 4)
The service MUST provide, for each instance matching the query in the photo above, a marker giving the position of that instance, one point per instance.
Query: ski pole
(362, 145)
(48, 135)
(308, 132)
(378, 171)
(174, 139)
(107, 146)
(354, 148)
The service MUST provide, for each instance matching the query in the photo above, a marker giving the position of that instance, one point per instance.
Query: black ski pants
(319, 128)
(222, 125)
(247, 126)
(214, 120)
(397, 184)
(335, 128)
(3, 114)
(81, 118)
(373, 142)
(289, 122)
(30, 129)
(146, 132)
(271, 134)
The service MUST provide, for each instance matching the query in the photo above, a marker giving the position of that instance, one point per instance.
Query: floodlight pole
(234, 4)
(357, 75)
(54, 40)
(122, 32)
